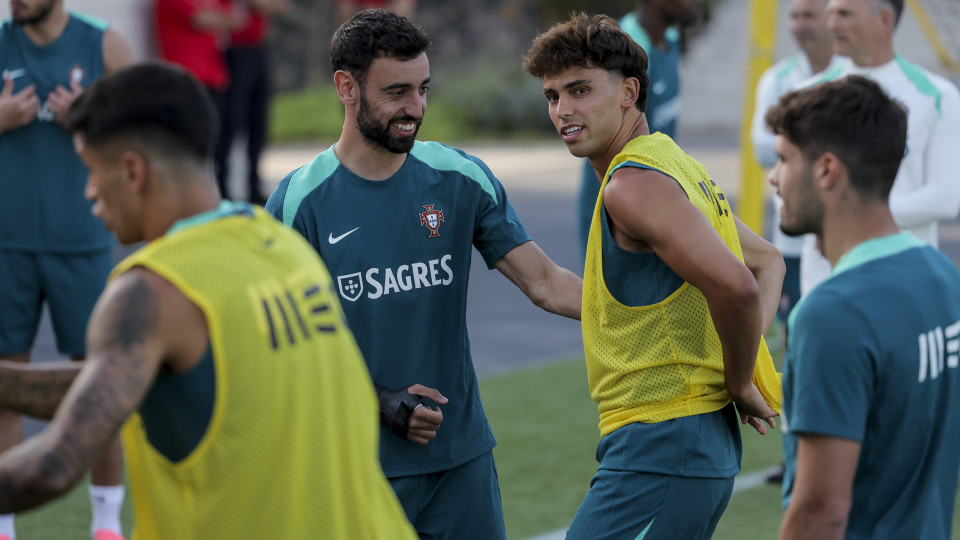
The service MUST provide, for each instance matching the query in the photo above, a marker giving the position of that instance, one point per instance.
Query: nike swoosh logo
(334, 239)
(13, 73)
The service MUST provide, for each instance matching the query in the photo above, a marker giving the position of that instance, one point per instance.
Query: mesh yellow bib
(661, 361)
(291, 448)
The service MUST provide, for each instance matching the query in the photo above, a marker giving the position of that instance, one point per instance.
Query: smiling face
(392, 102)
(802, 210)
(586, 107)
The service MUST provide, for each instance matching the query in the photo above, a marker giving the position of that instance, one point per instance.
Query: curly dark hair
(589, 42)
(372, 34)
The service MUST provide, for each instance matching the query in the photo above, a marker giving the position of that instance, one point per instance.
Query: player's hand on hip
(18, 109)
(425, 420)
(754, 410)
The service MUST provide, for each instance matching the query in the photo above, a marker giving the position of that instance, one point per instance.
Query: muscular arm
(649, 211)
(548, 286)
(766, 263)
(35, 390)
(128, 337)
(820, 504)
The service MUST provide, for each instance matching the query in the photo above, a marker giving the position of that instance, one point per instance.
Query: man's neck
(364, 158)
(181, 201)
(854, 227)
(875, 57)
(819, 58)
(634, 125)
(49, 29)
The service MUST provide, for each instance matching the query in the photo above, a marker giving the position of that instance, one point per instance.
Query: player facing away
(396, 219)
(52, 250)
(247, 411)
(871, 386)
(677, 294)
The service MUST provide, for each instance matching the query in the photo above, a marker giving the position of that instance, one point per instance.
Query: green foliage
(491, 98)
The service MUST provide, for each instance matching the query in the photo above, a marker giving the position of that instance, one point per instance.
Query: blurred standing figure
(927, 189)
(51, 248)
(193, 34)
(348, 8)
(871, 384)
(653, 25)
(248, 62)
(808, 25)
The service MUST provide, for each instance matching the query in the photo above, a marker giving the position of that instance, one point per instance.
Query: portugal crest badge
(431, 219)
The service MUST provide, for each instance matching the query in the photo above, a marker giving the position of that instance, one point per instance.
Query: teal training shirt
(43, 208)
(399, 251)
(873, 358)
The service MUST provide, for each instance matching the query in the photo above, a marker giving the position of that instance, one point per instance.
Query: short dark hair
(372, 34)
(853, 119)
(589, 42)
(896, 6)
(160, 105)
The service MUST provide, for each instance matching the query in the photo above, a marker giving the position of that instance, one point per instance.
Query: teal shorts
(462, 503)
(629, 505)
(69, 283)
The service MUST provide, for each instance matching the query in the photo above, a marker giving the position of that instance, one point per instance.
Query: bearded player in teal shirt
(871, 384)
(395, 220)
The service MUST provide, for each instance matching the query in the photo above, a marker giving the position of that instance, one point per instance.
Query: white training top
(779, 79)
(927, 187)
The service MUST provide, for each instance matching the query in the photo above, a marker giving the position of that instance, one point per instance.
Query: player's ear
(828, 171)
(631, 91)
(133, 167)
(348, 88)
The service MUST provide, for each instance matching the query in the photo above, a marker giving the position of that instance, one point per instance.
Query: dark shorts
(629, 505)
(462, 503)
(69, 283)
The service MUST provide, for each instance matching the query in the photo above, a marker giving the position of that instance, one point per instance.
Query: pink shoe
(4, 537)
(103, 534)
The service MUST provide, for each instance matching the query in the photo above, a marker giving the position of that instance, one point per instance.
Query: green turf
(546, 427)
(65, 519)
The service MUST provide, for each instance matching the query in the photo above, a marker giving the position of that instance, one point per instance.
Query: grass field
(545, 423)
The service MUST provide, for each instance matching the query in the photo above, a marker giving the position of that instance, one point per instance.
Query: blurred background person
(248, 94)
(52, 250)
(193, 34)
(927, 189)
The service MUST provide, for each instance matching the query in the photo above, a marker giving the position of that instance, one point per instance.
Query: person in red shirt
(248, 62)
(194, 34)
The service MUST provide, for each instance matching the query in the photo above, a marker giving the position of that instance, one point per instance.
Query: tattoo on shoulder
(134, 317)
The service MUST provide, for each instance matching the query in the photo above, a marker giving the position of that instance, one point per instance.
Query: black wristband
(396, 408)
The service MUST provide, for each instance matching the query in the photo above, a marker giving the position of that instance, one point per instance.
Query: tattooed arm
(129, 337)
(35, 389)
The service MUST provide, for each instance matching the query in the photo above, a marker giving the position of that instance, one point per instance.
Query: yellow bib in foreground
(661, 361)
(291, 449)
